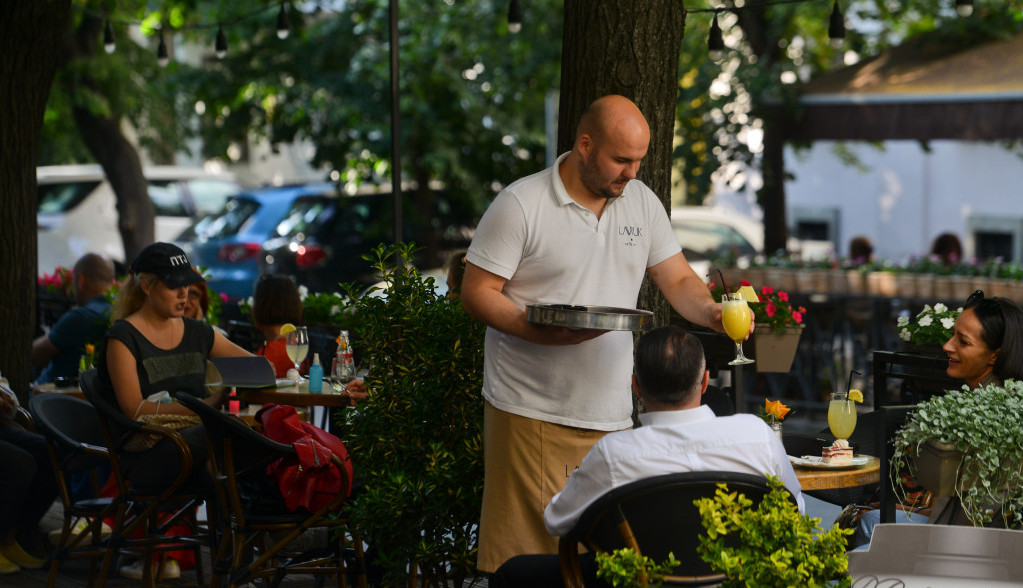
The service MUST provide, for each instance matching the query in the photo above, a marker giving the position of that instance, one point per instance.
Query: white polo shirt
(552, 250)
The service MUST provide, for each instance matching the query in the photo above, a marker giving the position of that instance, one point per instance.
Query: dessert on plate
(839, 453)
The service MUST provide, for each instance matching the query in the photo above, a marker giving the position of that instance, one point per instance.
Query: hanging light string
(283, 28)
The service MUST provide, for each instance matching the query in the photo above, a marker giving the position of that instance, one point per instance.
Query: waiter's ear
(704, 384)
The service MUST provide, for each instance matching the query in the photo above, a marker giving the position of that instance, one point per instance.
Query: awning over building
(921, 90)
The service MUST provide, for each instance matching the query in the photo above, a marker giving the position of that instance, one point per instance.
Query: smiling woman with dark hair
(986, 346)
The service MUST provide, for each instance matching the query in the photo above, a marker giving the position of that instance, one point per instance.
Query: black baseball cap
(169, 263)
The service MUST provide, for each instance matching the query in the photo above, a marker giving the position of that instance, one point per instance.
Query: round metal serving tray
(606, 318)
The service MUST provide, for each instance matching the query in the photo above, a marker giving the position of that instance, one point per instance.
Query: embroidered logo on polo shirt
(629, 235)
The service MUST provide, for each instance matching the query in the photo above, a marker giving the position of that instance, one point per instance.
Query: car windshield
(711, 240)
(228, 222)
(311, 215)
(63, 196)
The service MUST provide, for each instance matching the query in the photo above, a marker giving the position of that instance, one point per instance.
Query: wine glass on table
(296, 345)
(735, 317)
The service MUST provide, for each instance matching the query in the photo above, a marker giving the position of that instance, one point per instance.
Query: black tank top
(182, 369)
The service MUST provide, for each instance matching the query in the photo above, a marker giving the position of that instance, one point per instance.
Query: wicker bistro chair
(76, 444)
(654, 517)
(256, 533)
(148, 512)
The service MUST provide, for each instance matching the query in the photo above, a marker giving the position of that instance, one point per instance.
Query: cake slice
(838, 453)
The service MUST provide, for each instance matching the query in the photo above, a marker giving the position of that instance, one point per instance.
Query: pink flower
(223, 297)
(797, 316)
(783, 296)
(770, 309)
(744, 283)
(767, 290)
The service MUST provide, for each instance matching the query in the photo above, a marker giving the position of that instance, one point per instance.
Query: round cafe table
(829, 479)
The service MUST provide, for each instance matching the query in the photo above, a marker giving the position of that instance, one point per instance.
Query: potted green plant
(628, 569)
(772, 544)
(930, 329)
(985, 426)
(417, 440)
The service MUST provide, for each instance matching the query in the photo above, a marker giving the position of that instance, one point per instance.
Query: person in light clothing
(584, 231)
(677, 433)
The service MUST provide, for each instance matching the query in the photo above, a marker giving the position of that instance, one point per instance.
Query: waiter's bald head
(613, 117)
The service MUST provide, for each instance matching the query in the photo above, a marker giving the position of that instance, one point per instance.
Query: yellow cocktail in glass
(735, 317)
(841, 415)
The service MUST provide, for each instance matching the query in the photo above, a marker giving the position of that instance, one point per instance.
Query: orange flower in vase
(773, 414)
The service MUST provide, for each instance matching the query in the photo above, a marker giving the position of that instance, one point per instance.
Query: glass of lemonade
(735, 317)
(296, 345)
(841, 415)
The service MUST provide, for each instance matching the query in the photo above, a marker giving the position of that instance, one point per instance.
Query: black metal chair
(75, 440)
(147, 511)
(256, 533)
(655, 516)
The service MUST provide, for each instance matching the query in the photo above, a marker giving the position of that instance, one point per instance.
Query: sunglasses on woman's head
(976, 296)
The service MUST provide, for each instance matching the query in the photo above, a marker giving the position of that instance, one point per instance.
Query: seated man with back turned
(60, 349)
(677, 435)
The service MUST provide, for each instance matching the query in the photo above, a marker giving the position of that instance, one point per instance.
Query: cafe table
(833, 478)
(51, 388)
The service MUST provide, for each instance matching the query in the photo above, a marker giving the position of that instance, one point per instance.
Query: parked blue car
(229, 245)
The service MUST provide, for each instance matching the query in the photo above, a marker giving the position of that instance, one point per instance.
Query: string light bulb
(964, 7)
(162, 57)
(283, 28)
(220, 45)
(715, 41)
(108, 37)
(836, 27)
(514, 16)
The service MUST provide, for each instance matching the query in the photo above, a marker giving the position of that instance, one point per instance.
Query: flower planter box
(774, 352)
(938, 466)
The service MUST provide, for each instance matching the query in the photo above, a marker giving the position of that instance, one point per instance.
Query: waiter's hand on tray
(551, 335)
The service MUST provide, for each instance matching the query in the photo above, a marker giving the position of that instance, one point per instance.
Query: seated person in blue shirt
(58, 351)
(677, 434)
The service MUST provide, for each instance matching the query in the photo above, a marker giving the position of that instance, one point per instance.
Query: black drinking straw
(848, 386)
(721, 277)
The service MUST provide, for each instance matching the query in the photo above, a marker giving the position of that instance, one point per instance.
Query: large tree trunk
(30, 35)
(627, 47)
(103, 137)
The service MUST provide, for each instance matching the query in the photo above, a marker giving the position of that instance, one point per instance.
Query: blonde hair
(130, 297)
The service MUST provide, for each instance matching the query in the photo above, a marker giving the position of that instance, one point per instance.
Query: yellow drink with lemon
(842, 416)
(735, 318)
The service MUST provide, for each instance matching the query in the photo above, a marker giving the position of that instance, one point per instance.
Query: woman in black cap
(152, 349)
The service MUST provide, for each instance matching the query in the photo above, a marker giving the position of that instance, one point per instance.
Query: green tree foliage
(471, 93)
(417, 440)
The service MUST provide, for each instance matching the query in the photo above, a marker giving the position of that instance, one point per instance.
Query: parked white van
(77, 208)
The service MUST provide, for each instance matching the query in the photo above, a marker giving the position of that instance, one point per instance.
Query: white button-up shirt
(670, 442)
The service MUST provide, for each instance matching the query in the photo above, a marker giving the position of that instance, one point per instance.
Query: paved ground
(75, 573)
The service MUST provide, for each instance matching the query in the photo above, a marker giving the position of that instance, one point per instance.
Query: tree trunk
(103, 137)
(627, 47)
(772, 194)
(30, 35)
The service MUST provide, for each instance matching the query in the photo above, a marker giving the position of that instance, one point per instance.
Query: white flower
(940, 308)
(948, 322)
(903, 321)
(925, 320)
(303, 292)
(334, 310)
(904, 335)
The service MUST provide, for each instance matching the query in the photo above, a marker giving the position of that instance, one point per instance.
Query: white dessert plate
(816, 462)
